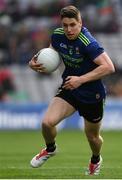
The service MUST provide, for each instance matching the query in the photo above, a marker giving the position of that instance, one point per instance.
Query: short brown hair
(70, 12)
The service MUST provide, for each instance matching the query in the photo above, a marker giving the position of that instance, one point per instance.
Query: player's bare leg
(95, 140)
(57, 111)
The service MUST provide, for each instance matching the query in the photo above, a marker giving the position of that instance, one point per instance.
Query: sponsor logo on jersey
(77, 50)
(63, 45)
(70, 48)
(70, 51)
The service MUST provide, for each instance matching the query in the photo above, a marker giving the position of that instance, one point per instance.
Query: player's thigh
(57, 110)
(92, 129)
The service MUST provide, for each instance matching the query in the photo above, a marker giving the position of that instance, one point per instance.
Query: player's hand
(72, 82)
(36, 66)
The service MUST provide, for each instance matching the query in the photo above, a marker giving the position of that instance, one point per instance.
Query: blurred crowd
(26, 25)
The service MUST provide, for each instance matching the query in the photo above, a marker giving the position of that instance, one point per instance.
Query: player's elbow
(110, 69)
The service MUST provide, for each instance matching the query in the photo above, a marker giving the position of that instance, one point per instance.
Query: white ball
(49, 58)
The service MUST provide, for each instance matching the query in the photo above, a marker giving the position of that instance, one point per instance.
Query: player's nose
(68, 29)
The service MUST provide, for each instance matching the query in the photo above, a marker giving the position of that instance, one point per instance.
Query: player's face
(71, 27)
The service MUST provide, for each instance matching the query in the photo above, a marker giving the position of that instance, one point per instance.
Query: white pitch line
(51, 168)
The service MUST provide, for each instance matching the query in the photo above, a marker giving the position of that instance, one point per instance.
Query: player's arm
(105, 67)
(36, 66)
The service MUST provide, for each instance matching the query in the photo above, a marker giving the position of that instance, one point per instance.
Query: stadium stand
(113, 45)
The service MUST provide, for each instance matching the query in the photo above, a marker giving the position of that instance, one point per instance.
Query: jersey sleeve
(93, 50)
(54, 39)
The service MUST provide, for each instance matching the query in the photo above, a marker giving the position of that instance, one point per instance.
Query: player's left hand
(72, 82)
(36, 66)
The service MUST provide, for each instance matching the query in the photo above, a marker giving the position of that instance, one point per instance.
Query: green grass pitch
(18, 147)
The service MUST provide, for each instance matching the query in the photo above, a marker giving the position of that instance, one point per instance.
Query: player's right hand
(36, 66)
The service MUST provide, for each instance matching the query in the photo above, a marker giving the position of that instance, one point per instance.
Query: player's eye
(72, 24)
(65, 25)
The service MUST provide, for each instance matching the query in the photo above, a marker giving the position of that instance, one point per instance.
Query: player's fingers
(68, 78)
(34, 64)
(67, 82)
(66, 86)
(37, 65)
(41, 71)
(41, 68)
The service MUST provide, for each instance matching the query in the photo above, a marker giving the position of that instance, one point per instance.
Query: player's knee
(47, 123)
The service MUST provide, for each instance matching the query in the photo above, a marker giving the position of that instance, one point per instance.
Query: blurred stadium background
(25, 28)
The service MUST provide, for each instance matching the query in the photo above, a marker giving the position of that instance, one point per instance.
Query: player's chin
(70, 37)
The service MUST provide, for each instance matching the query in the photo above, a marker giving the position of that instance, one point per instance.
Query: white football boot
(41, 158)
(94, 169)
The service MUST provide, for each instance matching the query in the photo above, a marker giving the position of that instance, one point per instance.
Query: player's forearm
(96, 74)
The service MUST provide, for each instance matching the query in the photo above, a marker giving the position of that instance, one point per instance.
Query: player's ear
(80, 23)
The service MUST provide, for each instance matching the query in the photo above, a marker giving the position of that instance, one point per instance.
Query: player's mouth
(70, 36)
